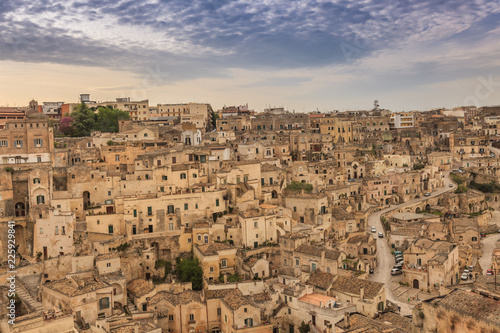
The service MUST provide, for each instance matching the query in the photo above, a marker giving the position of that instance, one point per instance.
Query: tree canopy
(83, 120)
(189, 270)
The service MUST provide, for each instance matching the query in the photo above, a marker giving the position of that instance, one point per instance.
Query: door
(313, 319)
(109, 210)
(45, 253)
(291, 328)
(415, 284)
(255, 244)
(148, 276)
(134, 230)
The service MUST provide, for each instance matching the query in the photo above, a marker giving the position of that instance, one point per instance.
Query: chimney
(347, 324)
(362, 293)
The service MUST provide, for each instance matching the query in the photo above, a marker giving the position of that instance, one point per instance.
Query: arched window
(36, 180)
(40, 200)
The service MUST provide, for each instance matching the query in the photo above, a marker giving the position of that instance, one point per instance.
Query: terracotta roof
(261, 297)
(139, 287)
(235, 301)
(76, 286)
(184, 297)
(472, 304)
(213, 248)
(317, 250)
(321, 280)
(353, 285)
(221, 293)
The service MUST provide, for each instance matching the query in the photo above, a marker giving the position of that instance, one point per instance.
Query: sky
(301, 55)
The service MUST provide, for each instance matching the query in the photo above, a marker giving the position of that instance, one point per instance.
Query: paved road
(488, 245)
(385, 260)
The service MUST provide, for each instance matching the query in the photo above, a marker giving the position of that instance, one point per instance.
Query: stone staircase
(23, 292)
(131, 306)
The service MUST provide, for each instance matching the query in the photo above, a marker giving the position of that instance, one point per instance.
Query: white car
(374, 229)
(464, 276)
(427, 194)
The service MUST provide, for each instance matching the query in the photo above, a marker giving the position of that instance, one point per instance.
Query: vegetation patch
(298, 186)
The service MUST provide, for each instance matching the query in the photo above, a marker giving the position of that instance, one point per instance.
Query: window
(110, 229)
(36, 180)
(217, 202)
(191, 316)
(4, 143)
(218, 311)
(189, 240)
(313, 266)
(170, 209)
(163, 177)
(117, 158)
(205, 239)
(171, 227)
(223, 263)
(295, 209)
(40, 200)
(211, 269)
(104, 303)
(170, 317)
(185, 206)
(199, 237)
(256, 224)
(18, 143)
(297, 262)
(245, 310)
(41, 231)
(109, 193)
(183, 175)
(38, 143)
(63, 232)
(135, 212)
(57, 230)
(150, 211)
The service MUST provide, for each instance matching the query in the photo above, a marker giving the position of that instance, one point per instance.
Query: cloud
(403, 44)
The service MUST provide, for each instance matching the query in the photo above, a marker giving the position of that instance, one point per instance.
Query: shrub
(298, 186)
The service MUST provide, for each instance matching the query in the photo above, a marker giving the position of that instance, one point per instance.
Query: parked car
(483, 234)
(398, 253)
(466, 271)
(427, 194)
(352, 180)
(396, 271)
(399, 260)
(399, 265)
(371, 270)
(374, 229)
(380, 235)
(464, 276)
(451, 185)
(489, 272)
(470, 268)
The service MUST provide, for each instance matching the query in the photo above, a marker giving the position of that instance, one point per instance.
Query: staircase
(26, 297)
(131, 306)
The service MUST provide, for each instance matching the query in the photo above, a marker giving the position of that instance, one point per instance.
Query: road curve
(385, 260)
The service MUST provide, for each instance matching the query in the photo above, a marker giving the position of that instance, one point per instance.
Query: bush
(189, 270)
(298, 186)
(461, 189)
(418, 166)
(123, 247)
(485, 188)
(457, 179)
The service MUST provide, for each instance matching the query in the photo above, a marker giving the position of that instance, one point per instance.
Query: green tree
(84, 121)
(304, 328)
(107, 118)
(214, 120)
(189, 270)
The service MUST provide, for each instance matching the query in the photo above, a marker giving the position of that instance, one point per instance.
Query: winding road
(385, 260)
